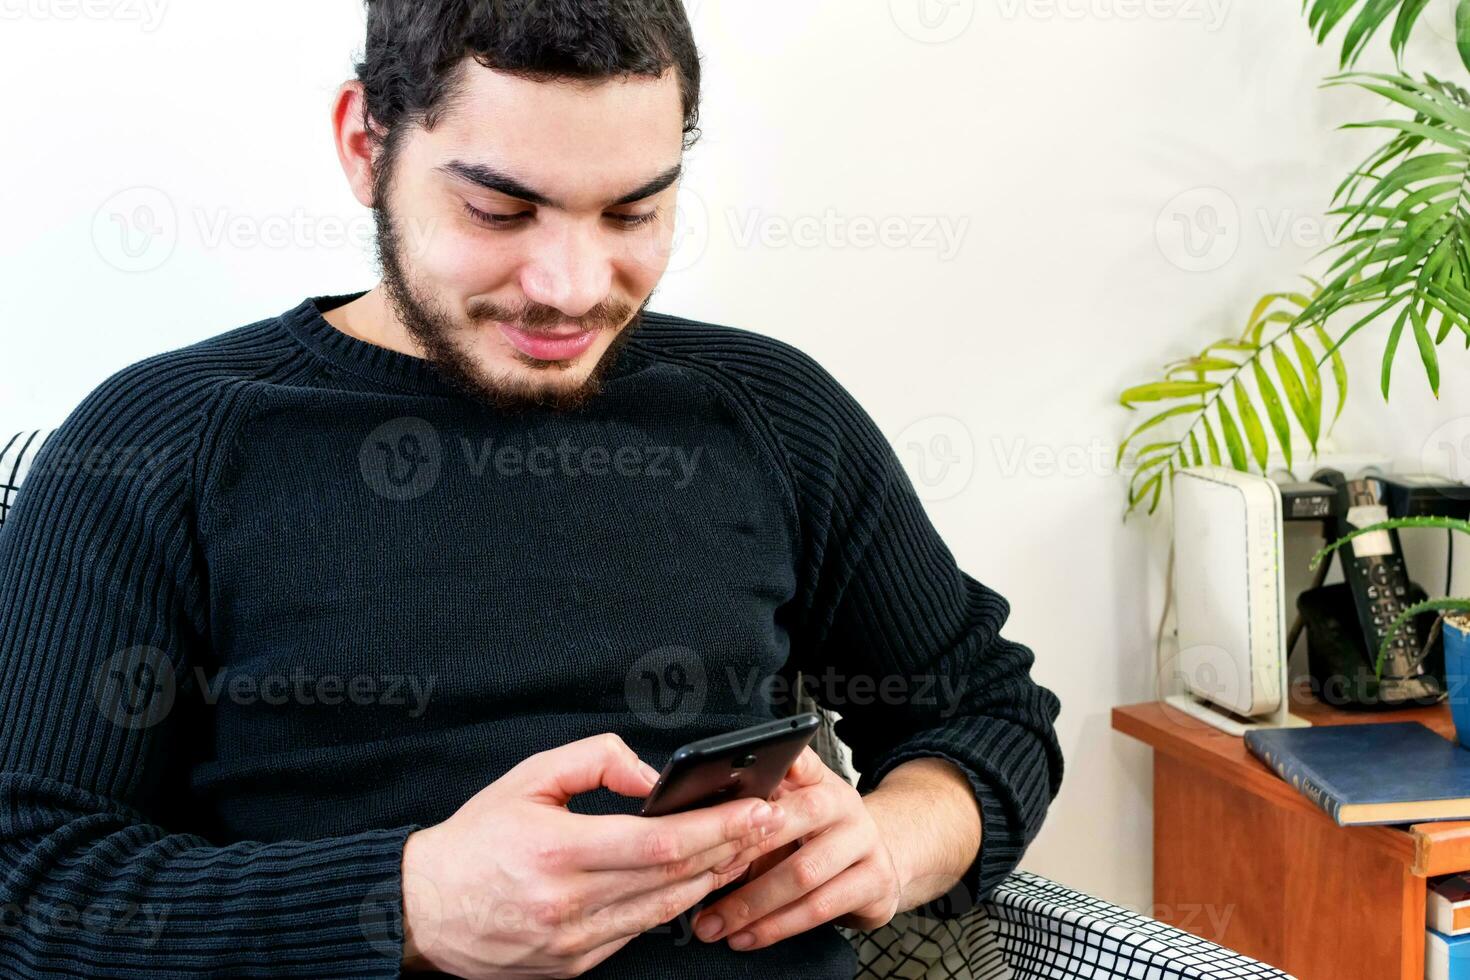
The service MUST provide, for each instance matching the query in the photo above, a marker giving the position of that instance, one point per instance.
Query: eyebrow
(503, 183)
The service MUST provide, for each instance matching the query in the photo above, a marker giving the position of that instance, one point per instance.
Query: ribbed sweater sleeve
(883, 602)
(103, 617)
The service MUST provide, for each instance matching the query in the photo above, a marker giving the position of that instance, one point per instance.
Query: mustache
(607, 315)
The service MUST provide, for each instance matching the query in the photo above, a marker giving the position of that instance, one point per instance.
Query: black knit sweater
(273, 601)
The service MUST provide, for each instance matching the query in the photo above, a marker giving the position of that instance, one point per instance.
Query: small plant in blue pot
(1454, 620)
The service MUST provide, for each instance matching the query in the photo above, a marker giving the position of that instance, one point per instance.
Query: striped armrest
(17, 452)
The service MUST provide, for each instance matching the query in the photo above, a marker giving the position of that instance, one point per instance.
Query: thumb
(600, 761)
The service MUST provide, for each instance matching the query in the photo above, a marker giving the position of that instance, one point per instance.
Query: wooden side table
(1242, 859)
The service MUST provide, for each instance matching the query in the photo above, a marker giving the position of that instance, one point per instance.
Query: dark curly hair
(413, 62)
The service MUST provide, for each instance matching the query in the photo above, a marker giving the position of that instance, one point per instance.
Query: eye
(494, 220)
(634, 220)
(503, 221)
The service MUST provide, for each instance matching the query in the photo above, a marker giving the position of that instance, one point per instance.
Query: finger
(761, 855)
(768, 851)
(623, 842)
(806, 812)
(647, 911)
(601, 761)
(807, 770)
(805, 871)
(626, 883)
(762, 863)
(851, 890)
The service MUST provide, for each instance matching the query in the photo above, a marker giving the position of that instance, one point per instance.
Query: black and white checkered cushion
(1029, 929)
(17, 452)
(1050, 932)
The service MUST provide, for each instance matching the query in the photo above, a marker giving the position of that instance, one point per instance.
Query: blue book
(1446, 957)
(1399, 772)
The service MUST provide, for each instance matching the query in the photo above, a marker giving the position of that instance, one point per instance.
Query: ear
(355, 148)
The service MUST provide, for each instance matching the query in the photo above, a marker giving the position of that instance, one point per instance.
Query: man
(347, 642)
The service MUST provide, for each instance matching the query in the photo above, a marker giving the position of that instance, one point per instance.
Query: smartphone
(750, 762)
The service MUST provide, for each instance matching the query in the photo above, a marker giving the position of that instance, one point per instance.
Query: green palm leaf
(1197, 422)
(1451, 524)
(1403, 247)
(1323, 16)
(1407, 616)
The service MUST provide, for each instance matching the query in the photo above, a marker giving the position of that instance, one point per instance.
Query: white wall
(1054, 135)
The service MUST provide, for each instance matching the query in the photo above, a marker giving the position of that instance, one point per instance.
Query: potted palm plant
(1400, 259)
(1454, 619)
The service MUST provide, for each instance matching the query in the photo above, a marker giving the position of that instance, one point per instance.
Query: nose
(568, 269)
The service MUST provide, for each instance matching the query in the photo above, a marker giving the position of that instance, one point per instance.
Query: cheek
(453, 256)
(645, 258)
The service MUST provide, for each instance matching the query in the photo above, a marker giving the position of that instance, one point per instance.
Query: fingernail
(649, 773)
(742, 940)
(709, 927)
(761, 814)
(771, 822)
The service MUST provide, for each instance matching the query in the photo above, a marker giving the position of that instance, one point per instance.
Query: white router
(1230, 594)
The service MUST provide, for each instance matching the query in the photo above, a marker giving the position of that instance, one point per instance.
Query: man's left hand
(829, 862)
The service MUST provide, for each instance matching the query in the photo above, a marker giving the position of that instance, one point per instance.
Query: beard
(435, 330)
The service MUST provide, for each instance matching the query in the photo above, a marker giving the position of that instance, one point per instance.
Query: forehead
(572, 137)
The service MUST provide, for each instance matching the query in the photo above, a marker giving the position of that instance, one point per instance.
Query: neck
(370, 318)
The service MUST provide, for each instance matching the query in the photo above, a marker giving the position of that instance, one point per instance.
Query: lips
(561, 345)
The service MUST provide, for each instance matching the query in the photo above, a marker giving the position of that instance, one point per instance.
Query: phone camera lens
(744, 761)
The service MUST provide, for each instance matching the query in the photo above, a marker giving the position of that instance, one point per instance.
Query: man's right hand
(515, 884)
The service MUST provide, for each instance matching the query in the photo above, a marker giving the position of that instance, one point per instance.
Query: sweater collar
(391, 368)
